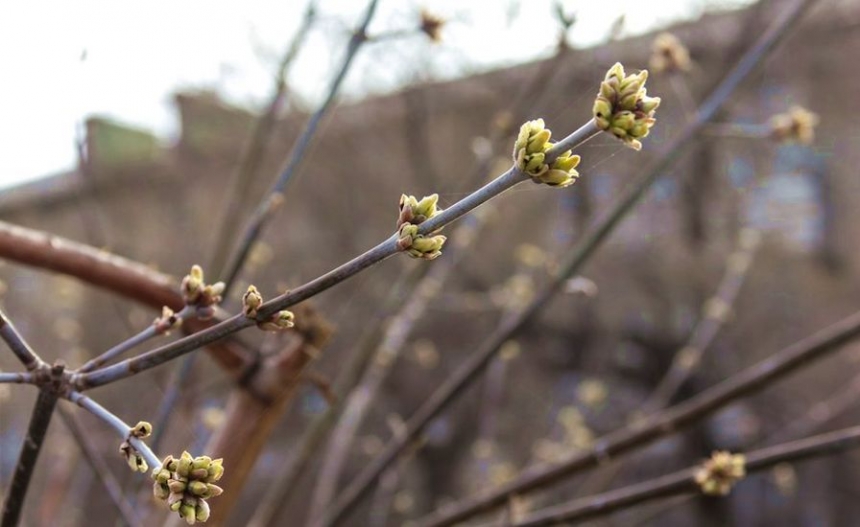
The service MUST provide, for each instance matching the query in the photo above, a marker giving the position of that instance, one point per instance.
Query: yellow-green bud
(198, 488)
(216, 470)
(202, 511)
(160, 491)
(538, 141)
(184, 466)
(141, 429)
(188, 513)
(251, 301)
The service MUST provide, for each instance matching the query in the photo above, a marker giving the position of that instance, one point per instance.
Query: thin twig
(102, 472)
(716, 312)
(17, 378)
(475, 364)
(274, 196)
(36, 432)
(108, 271)
(18, 345)
(150, 332)
(643, 432)
(382, 251)
(396, 336)
(241, 183)
(119, 426)
(684, 482)
(255, 150)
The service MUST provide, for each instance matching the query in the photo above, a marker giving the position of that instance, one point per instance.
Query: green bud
(201, 462)
(184, 467)
(202, 511)
(559, 178)
(602, 108)
(177, 486)
(251, 301)
(141, 429)
(620, 133)
(160, 491)
(535, 163)
(214, 490)
(649, 104)
(188, 513)
(198, 488)
(538, 141)
(640, 129)
(615, 72)
(566, 163)
(625, 120)
(628, 102)
(174, 501)
(608, 90)
(198, 473)
(426, 207)
(216, 470)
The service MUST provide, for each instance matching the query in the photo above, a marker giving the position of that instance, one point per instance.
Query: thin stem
(643, 432)
(265, 208)
(683, 481)
(120, 427)
(240, 186)
(16, 378)
(743, 131)
(574, 261)
(717, 310)
(36, 432)
(18, 345)
(315, 433)
(345, 271)
(255, 150)
(150, 332)
(397, 333)
(102, 472)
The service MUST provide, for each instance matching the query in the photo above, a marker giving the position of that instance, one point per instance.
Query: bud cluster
(413, 212)
(719, 473)
(431, 25)
(196, 292)
(669, 54)
(186, 483)
(796, 125)
(167, 321)
(132, 457)
(530, 151)
(623, 108)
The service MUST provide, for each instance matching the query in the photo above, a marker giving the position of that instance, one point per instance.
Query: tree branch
(683, 482)
(574, 261)
(384, 250)
(18, 345)
(640, 433)
(265, 208)
(36, 432)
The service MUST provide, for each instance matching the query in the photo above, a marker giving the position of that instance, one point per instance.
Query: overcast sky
(62, 61)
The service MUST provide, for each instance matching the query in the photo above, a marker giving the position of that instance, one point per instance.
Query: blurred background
(123, 129)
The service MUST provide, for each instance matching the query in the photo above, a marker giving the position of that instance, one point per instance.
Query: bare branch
(684, 482)
(19, 347)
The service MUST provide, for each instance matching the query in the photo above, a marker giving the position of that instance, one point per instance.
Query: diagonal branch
(643, 432)
(103, 473)
(274, 196)
(683, 481)
(18, 345)
(108, 271)
(574, 261)
(384, 250)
